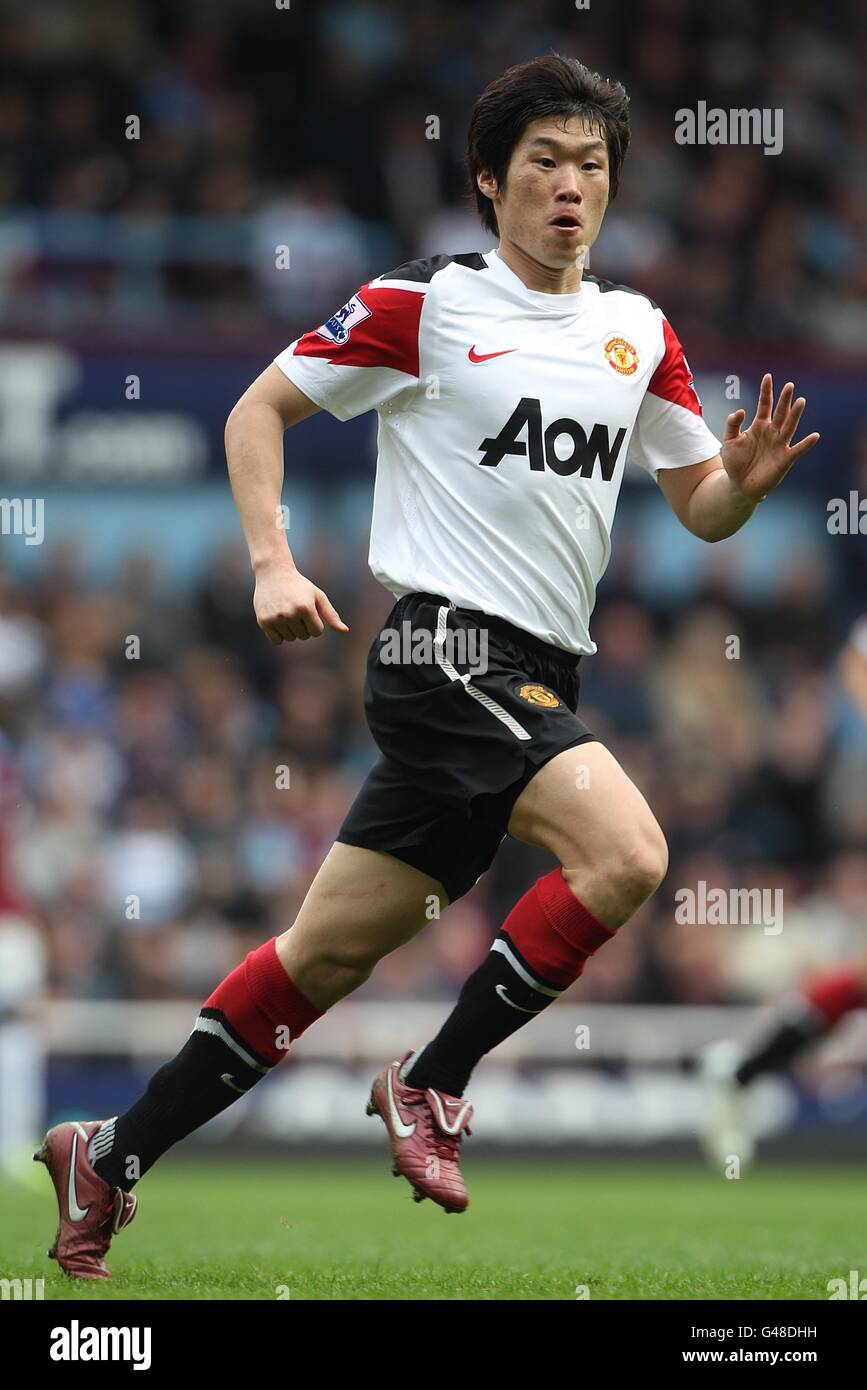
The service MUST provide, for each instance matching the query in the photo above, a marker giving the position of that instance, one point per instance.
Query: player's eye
(545, 159)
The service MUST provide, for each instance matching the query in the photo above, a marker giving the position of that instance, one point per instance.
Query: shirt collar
(556, 304)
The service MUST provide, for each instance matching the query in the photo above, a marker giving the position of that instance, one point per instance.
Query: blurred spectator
(170, 816)
(339, 134)
(171, 802)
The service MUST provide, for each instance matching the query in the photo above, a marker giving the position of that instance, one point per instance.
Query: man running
(510, 389)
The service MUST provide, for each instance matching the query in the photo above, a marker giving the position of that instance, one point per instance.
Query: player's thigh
(361, 905)
(582, 807)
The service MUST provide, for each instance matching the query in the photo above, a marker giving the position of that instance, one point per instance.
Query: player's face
(555, 193)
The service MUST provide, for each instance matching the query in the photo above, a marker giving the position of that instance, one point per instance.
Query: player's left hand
(758, 458)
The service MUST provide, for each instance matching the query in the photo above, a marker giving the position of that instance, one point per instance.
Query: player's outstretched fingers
(733, 424)
(801, 448)
(791, 423)
(782, 408)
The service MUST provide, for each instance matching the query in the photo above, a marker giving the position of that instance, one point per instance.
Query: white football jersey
(506, 416)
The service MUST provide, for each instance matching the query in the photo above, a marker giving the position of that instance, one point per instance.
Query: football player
(510, 389)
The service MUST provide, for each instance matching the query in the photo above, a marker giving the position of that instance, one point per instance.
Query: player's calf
(361, 905)
(329, 970)
(541, 949)
(614, 856)
(242, 1031)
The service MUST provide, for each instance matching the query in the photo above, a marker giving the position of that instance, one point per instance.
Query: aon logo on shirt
(586, 449)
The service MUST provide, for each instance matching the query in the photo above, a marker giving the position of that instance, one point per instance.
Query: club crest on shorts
(538, 695)
(338, 328)
(621, 355)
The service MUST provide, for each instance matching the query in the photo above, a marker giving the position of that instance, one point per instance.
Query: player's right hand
(288, 606)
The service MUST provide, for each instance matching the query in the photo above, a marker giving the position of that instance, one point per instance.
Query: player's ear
(487, 183)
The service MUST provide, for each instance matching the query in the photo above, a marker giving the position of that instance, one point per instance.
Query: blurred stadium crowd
(144, 820)
(307, 127)
(166, 812)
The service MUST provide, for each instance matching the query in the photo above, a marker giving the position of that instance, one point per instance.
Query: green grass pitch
(345, 1229)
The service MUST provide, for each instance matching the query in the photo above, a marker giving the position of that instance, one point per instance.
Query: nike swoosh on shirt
(501, 990)
(486, 356)
(403, 1131)
(76, 1213)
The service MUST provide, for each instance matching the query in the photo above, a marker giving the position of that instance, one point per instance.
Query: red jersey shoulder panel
(673, 380)
(377, 328)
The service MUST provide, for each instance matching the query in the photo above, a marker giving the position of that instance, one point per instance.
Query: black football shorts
(465, 709)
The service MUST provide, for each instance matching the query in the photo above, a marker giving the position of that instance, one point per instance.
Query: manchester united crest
(621, 355)
(538, 695)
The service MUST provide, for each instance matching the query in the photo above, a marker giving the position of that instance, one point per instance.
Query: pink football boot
(425, 1129)
(91, 1212)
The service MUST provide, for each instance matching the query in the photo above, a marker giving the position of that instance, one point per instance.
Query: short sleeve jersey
(506, 417)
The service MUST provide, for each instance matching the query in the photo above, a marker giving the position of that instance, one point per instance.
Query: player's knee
(622, 877)
(642, 863)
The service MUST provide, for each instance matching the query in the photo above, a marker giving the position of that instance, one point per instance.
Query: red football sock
(542, 947)
(801, 1019)
(837, 994)
(242, 1031)
(553, 932)
(262, 1004)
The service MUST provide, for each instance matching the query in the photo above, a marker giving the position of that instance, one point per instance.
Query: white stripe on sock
(216, 1030)
(502, 946)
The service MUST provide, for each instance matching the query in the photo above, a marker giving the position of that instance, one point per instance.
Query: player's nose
(569, 190)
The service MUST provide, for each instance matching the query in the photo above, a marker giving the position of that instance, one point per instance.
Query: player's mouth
(566, 223)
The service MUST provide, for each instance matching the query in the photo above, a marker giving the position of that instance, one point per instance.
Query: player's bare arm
(714, 499)
(286, 604)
